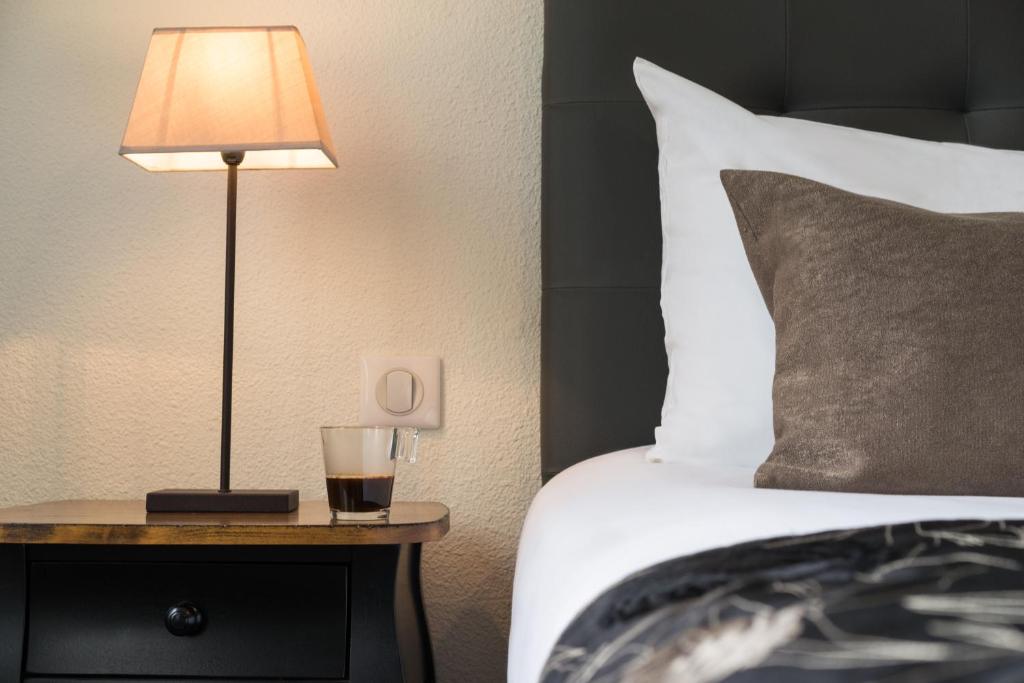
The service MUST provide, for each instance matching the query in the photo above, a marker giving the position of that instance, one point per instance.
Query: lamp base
(212, 500)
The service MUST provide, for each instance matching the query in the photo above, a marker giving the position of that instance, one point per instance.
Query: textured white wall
(425, 240)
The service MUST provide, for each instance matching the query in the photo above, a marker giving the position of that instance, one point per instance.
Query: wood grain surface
(126, 522)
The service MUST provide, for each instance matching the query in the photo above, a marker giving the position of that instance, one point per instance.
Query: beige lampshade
(204, 91)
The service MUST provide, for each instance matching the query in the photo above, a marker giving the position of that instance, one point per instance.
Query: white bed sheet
(613, 515)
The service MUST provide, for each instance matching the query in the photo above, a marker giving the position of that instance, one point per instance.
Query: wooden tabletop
(126, 522)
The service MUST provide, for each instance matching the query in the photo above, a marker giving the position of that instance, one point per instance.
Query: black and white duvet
(908, 603)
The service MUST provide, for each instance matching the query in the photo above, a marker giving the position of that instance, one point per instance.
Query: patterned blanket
(913, 603)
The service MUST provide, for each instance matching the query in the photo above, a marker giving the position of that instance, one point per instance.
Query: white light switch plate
(385, 385)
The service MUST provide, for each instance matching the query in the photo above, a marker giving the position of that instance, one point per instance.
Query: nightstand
(101, 591)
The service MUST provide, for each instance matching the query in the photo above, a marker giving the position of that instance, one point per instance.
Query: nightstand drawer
(238, 620)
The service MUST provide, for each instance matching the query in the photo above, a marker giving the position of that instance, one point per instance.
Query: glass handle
(409, 442)
(403, 443)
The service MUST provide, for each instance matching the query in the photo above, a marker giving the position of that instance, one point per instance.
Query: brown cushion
(900, 339)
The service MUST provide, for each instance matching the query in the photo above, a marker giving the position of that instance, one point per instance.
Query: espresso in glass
(359, 464)
(353, 493)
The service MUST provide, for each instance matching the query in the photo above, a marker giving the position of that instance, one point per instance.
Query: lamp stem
(232, 159)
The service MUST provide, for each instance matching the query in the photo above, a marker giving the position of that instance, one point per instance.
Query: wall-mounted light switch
(401, 391)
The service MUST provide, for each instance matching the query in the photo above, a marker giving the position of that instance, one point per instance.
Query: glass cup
(360, 466)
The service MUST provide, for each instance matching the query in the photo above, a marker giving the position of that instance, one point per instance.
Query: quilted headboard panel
(935, 69)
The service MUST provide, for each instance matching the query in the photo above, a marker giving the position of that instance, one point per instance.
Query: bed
(931, 69)
(617, 514)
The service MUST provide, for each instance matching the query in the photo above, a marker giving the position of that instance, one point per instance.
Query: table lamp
(234, 98)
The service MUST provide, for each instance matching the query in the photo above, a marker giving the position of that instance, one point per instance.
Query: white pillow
(718, 334)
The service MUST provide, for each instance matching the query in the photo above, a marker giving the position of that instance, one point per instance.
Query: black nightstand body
(73, 613)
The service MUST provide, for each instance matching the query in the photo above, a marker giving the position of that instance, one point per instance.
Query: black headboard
(935, 69)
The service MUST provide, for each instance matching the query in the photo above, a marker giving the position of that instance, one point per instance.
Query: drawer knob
(184, 619)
